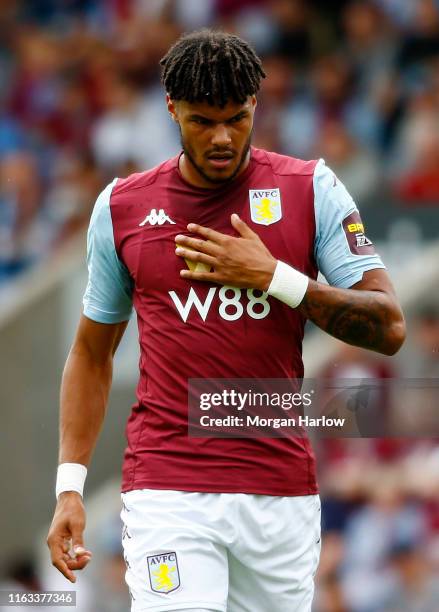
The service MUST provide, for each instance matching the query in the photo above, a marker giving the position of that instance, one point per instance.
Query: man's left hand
(239, 262)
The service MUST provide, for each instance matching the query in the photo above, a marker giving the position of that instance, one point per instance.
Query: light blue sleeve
(335, 259)
(108, 297)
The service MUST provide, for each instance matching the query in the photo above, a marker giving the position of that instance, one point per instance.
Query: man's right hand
(65, 538)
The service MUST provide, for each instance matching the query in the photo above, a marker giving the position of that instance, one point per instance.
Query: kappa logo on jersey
(164, 576)
(156, 218)
(265, 206)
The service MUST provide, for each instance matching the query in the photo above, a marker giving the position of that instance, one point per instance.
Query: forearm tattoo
(361, 318)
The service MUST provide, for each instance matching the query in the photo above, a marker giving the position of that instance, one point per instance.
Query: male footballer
(218, 251)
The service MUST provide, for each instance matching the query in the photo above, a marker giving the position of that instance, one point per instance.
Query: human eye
(200, 121)
(236, 119)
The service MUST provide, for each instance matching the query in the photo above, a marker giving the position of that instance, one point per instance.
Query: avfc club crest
(164, 576)
(265, 206)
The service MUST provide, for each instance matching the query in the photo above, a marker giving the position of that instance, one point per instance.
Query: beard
(203, 174)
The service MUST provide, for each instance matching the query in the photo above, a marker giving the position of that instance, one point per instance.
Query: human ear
(172, 108)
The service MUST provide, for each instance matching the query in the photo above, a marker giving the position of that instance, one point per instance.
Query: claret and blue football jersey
(187, 329)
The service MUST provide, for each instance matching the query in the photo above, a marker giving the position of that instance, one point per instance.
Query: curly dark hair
(211, 66)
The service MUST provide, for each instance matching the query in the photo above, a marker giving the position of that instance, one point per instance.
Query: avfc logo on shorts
(265, 205)
(164, 576)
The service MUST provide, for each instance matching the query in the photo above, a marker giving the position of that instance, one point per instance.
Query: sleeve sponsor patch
(359, 243)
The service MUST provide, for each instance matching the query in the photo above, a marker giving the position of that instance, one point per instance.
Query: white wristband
(70, 477)
(288, 285)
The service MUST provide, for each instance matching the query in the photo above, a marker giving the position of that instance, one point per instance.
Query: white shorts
(220, 551)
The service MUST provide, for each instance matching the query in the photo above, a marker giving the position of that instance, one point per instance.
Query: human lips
(220, 160)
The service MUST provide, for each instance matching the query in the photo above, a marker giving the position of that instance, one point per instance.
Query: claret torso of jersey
(150, 209)
(189, 329)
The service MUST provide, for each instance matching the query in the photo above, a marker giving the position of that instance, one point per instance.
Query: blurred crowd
(355, 82)
(380, 513)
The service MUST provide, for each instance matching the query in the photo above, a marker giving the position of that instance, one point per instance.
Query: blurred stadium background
(354, 82)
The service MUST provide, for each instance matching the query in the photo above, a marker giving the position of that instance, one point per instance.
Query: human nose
(221, 136)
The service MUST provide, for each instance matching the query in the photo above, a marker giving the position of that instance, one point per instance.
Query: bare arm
(85, 387)
(366, 315)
